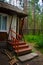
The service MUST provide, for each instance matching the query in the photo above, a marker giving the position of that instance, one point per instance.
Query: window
(3, 22)
(21, 3)
(0, 22)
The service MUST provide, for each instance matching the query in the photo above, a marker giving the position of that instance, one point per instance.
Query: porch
(12, 21)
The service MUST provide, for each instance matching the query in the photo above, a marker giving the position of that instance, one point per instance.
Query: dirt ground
(36, 61)
(3, 59)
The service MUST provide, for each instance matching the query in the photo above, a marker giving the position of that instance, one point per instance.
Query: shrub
(31, 38)
(37, 39)
(39, 43)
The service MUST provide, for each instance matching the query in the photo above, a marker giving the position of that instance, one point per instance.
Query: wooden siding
(3, 36)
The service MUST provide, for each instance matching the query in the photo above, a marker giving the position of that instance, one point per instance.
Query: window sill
(3, 31)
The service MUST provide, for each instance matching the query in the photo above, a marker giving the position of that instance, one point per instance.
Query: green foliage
(31, 38)
(38, 40)
(35, 16)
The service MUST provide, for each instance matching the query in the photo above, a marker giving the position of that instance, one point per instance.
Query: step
(27, 57)
(20, 47)
(17, 43)
(22, 42)
(23, 51)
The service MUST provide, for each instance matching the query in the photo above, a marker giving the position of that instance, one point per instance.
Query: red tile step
(23, 51)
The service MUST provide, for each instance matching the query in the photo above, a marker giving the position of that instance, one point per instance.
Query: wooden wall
(3, 36)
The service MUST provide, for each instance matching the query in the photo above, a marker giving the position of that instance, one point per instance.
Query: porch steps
(20, 48)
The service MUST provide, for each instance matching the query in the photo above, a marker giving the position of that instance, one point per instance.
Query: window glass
(0, 22)
(3, 22)
(4, 19)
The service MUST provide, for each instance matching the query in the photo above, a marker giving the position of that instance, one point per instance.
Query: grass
(31, 38)
(37, 40)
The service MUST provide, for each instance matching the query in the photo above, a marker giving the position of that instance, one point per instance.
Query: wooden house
(11, 22)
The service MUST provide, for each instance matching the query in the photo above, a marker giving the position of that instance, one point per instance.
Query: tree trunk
(34, 17)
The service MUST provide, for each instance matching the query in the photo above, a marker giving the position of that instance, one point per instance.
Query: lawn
(37, 40)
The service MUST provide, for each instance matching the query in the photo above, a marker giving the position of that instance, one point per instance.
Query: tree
(42, 17)
(34, 12)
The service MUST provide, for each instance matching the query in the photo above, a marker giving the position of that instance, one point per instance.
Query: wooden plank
(13, 61)
(8, 54)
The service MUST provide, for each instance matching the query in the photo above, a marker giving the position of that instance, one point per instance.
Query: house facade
(11, 16)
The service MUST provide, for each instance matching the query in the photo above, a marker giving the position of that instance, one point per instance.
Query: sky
(40, 1)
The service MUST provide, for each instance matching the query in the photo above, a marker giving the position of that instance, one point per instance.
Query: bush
(37, 39)
(39, 43)
(31, 38)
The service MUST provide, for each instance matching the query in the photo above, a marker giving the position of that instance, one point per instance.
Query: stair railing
(19, 36)
(14, 39)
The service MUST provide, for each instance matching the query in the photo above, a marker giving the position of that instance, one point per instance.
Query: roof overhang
(11, 10)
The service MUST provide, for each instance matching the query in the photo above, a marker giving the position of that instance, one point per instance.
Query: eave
(11, 10)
